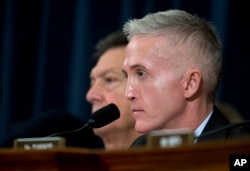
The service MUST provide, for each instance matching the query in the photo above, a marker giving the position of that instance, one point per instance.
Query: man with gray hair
(173, 66)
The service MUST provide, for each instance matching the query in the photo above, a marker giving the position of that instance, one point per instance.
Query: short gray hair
(198, 34)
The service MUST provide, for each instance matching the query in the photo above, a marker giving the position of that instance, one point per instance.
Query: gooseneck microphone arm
(67, 132)
(98, 119)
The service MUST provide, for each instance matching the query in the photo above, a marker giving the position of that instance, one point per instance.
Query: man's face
(153, 88)
(108, 86)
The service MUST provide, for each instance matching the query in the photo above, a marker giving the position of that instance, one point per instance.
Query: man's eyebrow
(136, 66)
(107, 71)
(133, 67)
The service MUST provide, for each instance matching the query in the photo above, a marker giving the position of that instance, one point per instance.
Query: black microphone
(99, 118)
(103, 116)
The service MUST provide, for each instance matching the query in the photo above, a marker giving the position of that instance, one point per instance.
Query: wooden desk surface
(210, 156)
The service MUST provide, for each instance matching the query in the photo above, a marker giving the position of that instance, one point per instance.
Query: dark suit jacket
(212, 130)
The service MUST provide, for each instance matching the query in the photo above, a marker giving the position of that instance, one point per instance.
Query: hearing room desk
(201, 157)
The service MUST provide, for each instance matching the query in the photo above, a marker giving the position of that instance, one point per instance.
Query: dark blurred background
(45, 46)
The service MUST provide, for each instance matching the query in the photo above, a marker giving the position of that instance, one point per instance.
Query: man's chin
(141, 129)
(103, 130)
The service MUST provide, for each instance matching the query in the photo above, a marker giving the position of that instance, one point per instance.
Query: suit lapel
(216, 121)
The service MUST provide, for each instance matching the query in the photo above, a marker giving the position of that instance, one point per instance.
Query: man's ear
(192, 83)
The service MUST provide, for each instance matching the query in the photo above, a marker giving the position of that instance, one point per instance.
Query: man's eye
(125, 74)
(140, 74)
(109, 79)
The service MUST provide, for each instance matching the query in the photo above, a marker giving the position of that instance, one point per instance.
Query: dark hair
(113, 40)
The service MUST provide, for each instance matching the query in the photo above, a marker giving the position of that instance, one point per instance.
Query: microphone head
(104, 116)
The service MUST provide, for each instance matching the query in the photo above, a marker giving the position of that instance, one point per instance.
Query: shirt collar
(198, 130)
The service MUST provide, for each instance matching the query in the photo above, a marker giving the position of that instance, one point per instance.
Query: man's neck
(119, 141)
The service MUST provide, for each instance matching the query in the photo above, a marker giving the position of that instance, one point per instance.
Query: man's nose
(129, 92)
(94, 93)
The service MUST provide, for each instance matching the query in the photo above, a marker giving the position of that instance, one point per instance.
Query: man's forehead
(141, 48)
(149, 44)
(97, 72)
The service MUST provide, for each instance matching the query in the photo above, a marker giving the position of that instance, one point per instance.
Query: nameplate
(39, 143)
(169, 138)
